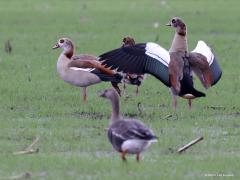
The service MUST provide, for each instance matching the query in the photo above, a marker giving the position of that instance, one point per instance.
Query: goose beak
(56, 46)
(168, 24)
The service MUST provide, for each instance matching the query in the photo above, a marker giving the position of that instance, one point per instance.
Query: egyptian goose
(182, 63)
(133, 79)
(179, 66)
(82, 70)
(127, 136)
(152, 59)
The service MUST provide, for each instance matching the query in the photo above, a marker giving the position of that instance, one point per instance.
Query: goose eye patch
(61, 41)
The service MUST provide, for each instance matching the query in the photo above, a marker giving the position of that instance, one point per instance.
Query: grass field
(35, 102)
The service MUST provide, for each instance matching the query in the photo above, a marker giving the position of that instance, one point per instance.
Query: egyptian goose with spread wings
(180, 68)
(151, 58)
(182, 63)
(82, 70)
(127, 136)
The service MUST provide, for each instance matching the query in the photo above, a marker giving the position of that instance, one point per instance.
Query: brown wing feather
(90, 64)
(201, 68)
(175, 68)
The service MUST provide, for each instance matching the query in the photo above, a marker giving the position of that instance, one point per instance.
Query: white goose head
(67, 45)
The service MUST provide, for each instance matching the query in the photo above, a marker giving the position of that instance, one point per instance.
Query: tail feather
(188, 88)
(197, 93)
(115, 78)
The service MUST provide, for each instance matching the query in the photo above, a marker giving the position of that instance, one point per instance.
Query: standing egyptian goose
(179, 66)
(127, 136)
(133, 79)
(82, 70)
(151, 58)
(182, 63)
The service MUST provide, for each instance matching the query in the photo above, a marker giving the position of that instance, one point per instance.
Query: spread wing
(201, 68)
(130, 59)
(139, 59)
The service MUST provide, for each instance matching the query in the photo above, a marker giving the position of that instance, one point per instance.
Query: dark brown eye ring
(173, 21)
(61, 41)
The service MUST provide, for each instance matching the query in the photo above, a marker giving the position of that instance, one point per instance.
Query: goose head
(109, 94)
(128, 41)
(178, 24)
(66, 44)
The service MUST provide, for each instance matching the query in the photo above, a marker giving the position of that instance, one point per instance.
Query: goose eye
(61, 41)
(173, 21)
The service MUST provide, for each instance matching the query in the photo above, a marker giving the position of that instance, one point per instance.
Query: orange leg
(84, 94)
(123, 154)
(115, 85)
(138, 157)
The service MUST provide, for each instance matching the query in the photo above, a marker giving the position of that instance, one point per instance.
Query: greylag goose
(133, 79)
(82, 70)
(127, 136)
(152, 59)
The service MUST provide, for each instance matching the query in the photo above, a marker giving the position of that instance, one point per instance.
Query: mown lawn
(35, 102)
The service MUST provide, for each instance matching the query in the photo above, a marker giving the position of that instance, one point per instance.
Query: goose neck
(179, 43)
(115, 116)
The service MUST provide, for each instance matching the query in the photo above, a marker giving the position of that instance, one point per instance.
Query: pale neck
(179, 43)
(62, 62)
(115, 116)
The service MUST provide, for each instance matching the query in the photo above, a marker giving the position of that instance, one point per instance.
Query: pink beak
(56, 46)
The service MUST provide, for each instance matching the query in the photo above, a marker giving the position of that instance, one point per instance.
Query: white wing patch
(204, 49)
(118, 135)
(157, 52)
(136, 133)
(82, 69)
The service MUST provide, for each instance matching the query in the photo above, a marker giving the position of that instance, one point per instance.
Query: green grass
(73, 144)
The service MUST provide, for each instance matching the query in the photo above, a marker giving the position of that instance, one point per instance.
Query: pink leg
(123, 154)
(84, 94)
(138, 157)
(189, 103)
(174, 102)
